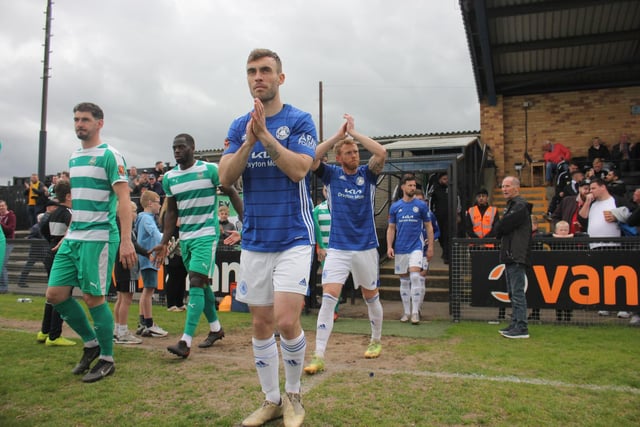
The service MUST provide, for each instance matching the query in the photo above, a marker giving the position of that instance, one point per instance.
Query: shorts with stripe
(363, 266)
(263, 273)
(85, 265)
(403, 262)
(199, 255)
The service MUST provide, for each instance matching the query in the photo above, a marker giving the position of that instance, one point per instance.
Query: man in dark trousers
(514, 232)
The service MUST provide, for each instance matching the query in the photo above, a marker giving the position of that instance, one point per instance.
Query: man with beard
(408, 217)
(99, 186)
(272, 148)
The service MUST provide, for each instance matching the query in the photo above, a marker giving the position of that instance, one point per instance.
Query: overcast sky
(163, 67)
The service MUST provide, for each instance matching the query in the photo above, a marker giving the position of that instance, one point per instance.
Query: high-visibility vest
(482, 223)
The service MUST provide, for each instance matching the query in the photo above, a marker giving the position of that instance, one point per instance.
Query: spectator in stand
(554, 154)
(597, 170)
(156, 186)
(598, 150)
(569, 207)
(175, 271)
(53, 231)
(52, 188)
(64, 176)
(38, 248)
(621, 153)
(158, 170)
(36, 194)
(226, 227)
(563, 179)
(8, 223)
(615, 184)
(133, 178)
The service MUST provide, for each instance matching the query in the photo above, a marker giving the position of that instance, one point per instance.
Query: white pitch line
(310, 383)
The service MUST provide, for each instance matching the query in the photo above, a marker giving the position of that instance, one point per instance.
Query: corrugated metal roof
(431, 143)
(535, 46)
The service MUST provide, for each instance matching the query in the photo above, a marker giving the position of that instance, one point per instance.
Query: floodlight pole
(42, 147)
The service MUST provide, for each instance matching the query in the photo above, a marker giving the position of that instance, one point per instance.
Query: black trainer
(181, 349)
(517, 333)
(102, 369)
(507, 329)
(211, 338)
(89, 355)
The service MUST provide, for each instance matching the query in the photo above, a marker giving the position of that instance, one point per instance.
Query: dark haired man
(98, 182)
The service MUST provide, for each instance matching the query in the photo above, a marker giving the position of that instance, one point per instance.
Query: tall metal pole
(42, 147)
(320, 134)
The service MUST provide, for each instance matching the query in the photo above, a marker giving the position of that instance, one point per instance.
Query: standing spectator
(621, 153)
(158, 170)
(98, 182)
(126, 285)
(52, 188)
(598, 150)
(36, 194)
(322, 227)
(38, 247)
(595, 214)
(175, 271)
(272, 147)
(149, 237)
(615, 184)
(514, 232)
(479, 223)
(226, 227)
(53, 230)
(570, 206)
(191, 189)
(554, 154)
(133, 178)
(408, 217)
(564, 178)
(353, 241)
(439, 201)
(8, 223)
(562, 230)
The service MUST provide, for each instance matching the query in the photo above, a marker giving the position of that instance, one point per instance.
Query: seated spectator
(598, 150)
(554, 154)
(615, 184)
(621, 153)
(225, 226)
(597, 170)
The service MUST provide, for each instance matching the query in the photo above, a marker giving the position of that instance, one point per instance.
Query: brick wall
(571, 118)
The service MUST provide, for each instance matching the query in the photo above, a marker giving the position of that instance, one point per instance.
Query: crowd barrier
(583, 276)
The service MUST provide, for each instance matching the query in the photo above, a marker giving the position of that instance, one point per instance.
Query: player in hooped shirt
(272, 148)
(353, 241)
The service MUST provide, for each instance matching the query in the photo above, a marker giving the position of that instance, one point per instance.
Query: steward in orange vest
(481, 218)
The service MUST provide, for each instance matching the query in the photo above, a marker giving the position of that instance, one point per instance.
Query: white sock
(324, 325)
(375, 317)
(416, 292)
(215, 326)
(293, 360)
(188, 339)
(423, 286)
(405, 294)
(121, 330)
(265, 353)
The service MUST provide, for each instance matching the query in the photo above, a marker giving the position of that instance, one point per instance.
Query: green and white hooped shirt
(93, 173)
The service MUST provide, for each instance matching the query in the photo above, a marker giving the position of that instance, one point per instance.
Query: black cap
(584, 182)
(482, 191)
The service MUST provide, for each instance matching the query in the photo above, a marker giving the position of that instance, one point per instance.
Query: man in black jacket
(514, 232)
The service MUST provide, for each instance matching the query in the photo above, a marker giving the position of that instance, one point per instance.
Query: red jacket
(557, 154)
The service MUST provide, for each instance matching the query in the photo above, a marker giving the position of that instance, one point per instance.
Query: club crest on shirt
(93, 161)
(360, 180)
(415, 209)
(283, 132)
(121, 171)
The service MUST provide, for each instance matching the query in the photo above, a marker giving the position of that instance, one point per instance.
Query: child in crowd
(148, 237)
